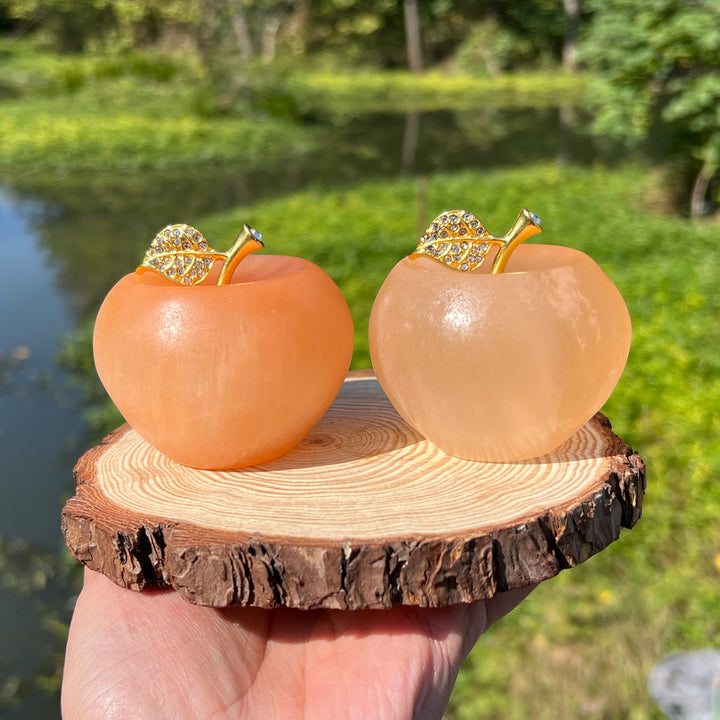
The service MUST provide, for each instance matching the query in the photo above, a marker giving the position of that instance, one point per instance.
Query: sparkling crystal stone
(464, 266)
(535, 218)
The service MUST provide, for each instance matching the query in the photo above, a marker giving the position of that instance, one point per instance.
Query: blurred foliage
(355, 31)
(238, 41)
(144, 110)
(55, 138)
(657, 60)
(129, 112)
(511, 36)
(340, 93)
(29, 70)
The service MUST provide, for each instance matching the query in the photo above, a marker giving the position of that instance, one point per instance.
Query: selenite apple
(221, 376)
(497, 365)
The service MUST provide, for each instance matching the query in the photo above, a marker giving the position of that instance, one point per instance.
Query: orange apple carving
(220, 364)
(497, 362)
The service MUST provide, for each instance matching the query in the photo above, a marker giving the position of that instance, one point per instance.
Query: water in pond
(58, 254)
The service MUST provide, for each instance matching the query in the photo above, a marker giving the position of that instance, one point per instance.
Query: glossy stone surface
(500, 367)
(226, 376)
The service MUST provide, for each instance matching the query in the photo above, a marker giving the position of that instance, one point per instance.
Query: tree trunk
(269, 38)
(412, 35)
(293, 33)
(699, 191)
(239, 26)
(572, 26)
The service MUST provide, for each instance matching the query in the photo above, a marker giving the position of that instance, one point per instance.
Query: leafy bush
(659, 61)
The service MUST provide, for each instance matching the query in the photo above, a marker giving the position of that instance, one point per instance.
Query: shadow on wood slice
(364, 513)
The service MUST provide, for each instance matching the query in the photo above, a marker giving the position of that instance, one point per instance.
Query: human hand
(155, 656)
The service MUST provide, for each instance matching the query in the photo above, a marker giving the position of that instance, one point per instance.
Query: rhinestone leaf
(181, 254)
(455, 225)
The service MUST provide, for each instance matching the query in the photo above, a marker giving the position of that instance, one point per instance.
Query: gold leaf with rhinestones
(455, 238)
(182, 254)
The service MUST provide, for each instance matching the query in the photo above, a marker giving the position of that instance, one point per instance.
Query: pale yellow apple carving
(500, 362)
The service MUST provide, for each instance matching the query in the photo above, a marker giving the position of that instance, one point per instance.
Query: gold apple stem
(248, 241)
(526, 225)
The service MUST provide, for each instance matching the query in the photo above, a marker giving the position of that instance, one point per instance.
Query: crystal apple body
(501, 367)
(225, 376)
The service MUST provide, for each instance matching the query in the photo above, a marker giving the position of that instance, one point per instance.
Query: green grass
(582, 645)
(62, 114)
(128, 123)
(344, 92)
(52, 137)
(29, 70)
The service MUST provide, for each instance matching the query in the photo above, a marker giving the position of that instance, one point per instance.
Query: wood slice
(364, 513)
